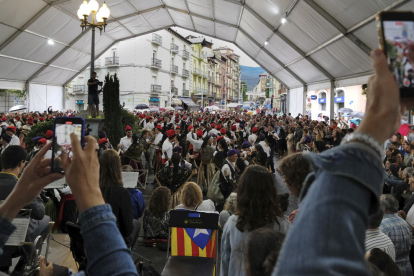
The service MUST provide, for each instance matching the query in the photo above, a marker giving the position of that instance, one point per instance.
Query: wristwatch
(365, 139)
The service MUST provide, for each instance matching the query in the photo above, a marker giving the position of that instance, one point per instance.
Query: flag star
(200, 231)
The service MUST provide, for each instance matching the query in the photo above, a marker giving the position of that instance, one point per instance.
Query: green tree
(244, 87)
(112, 109)
(17, 93)
(267, 91)
(37, 130)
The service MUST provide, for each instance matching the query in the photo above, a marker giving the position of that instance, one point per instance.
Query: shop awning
(189, 102)
(176, 101)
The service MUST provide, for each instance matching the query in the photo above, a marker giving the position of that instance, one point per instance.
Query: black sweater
(120, 201)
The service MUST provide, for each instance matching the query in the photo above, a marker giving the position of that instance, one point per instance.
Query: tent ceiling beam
(57, 2)
(339, 26)
(214, 17)
(25, 26)
(36, 62)
(58, 55)
(134, 14)
(391, 7)
(285, 39)
(168, 12)
(272, 56)
(42, 36)
(135, 10)
(107, 48)
(189, 13)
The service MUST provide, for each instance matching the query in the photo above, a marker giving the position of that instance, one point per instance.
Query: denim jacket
(104, 246)
(328, 235)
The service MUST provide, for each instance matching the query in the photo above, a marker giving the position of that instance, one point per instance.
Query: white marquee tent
(322, 43)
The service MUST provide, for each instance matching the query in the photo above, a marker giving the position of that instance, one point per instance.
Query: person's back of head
(257, 205)
(240, 165)
(110, 171)
(294, 169)
(389, 204)
(231, 203)
(263, 250)
(383, 261)
(160, 201)
(374, 220)
(283, 201)
(13, 157)
(127, 168)
(191, 195)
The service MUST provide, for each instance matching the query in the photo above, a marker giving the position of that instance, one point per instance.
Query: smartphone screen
(398, 35)
(62, 142)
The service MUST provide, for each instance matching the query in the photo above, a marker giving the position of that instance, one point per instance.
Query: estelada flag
(193, 242)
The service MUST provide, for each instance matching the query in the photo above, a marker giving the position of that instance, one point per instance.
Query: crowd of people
(355, 214)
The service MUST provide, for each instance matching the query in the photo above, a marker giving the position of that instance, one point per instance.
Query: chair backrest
(77, 245)
(193, 233)
(135, 232)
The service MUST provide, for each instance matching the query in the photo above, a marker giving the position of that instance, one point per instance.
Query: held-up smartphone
(396, 32)
(63, 127)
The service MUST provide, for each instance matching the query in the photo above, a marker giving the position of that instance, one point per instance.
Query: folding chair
(193, 238)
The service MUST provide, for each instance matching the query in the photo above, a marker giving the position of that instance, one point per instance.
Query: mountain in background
(250, 75)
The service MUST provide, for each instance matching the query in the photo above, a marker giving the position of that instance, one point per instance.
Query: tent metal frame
(344, 32)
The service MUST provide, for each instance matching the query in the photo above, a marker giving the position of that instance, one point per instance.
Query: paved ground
(158, 257)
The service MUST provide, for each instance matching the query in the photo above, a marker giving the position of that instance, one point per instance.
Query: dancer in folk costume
(207, 168)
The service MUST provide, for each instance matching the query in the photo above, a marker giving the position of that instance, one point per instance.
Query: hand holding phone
(63, 127)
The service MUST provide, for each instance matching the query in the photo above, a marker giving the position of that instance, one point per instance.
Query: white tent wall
(42, 96)
(295, 101)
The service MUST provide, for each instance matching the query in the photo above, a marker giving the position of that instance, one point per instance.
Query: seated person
(192, 199)
(263, 250)
(110, 182)
(13, 161)
(157, 215)
(229, 209)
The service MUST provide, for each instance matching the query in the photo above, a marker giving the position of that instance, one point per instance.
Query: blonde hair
(231, 203)
(191, 195)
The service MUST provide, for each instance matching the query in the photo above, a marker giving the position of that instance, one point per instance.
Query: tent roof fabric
(322, 40)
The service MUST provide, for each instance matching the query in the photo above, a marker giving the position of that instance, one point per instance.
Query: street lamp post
(99, 17)
(241, 92)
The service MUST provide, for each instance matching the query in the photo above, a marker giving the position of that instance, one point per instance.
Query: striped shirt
(376, 239)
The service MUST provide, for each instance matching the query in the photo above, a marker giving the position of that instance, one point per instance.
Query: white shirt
(252, 137)
(157, 139)
(149, 126)
(226, 168)
(213, 131)
(14, 141)
(18, 124)
(125, 143)
(374, 238)
(4, 148)
(196, 143)
(265, 147)
(167, 149)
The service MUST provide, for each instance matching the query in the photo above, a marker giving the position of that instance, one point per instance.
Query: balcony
(155, 88)
(196, 71)
(112, 61)
(186, 54)
(174, 69)
(186, 93)
(97, 63)
(79, 89)
(186, 73)
(204, 74)
(211, 79)
(156, 39)
(174, 48)
(156, 63)
(218, 83)
(229, 76)
(203, 91)
(174, 91)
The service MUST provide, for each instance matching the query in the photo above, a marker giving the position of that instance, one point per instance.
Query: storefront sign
(152, 99)
(322, 100)
(80, 102)
(223, 102)
(313, 97)
(339, 99)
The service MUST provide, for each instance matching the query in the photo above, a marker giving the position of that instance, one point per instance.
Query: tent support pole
(305, 94)
(332, 101)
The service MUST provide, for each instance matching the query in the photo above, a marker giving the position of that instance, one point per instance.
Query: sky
(244, 59)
